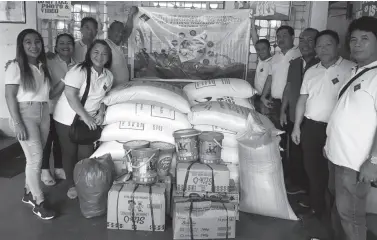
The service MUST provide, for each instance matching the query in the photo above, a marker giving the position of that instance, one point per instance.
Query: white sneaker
(46, 178)
(59, 173)
(72, 193)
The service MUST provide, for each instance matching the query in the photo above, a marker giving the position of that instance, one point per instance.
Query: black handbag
(79, 132)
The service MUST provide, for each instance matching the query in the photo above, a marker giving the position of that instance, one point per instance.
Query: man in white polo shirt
(263, 71)
(351, 144)
(274, 87)
(318, 96)
(118, 33)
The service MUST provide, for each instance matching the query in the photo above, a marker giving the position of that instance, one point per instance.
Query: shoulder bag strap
(86, 93)
(352, 80)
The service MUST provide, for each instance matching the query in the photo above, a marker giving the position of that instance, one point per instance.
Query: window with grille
(300, 15)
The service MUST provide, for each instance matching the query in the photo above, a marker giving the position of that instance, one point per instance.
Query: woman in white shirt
(27, 87)
(58, 66)
(98, 60)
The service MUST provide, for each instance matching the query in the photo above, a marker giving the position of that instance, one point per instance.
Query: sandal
(60, 174)
(46, 178)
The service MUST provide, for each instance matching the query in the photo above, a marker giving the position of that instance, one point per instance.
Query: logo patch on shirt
(105, 87)
(335, 81)
(261, 70)
(357, 87)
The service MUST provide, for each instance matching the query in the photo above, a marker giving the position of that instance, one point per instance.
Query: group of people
(43, 93)
(327, 106)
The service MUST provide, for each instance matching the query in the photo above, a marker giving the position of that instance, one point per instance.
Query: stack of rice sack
(205, 201)
(139, 116)
(221, 105)
(141, 110)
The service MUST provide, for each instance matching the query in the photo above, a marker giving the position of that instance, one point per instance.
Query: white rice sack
(243, 102)
(372, 201)
(230, 155)
(127, 131)
(261, 179)
(222, 114)
(152, 114)
(232, 87)
(149, 93)
(229, 140)
(115, 149)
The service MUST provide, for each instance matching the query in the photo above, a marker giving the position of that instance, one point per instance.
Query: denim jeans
(348, 214)
(35, 117)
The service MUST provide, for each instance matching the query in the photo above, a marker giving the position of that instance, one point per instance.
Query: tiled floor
(18, 222)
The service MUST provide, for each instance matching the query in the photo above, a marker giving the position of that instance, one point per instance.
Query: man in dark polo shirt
(297, 178)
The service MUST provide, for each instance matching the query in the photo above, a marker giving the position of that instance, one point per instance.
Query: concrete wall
(9, 32)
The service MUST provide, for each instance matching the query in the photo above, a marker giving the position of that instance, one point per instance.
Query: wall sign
(266, 10)
(369, 8)
(54, 9)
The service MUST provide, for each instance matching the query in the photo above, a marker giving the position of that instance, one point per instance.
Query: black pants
(54, 144)
(313, 139)
(71, 152)
(296, 170)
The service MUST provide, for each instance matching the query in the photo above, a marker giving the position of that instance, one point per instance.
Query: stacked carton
(204, 202)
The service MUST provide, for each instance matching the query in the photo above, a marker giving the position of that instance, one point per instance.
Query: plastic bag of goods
(243, 102)
(152, 114)
(127, 131)
(261, 175)
(149, 93)
(230, 155)
(232, 87)
(234, 173)
(230, 139)
(372, 201)
(222, 114)
(93, 179)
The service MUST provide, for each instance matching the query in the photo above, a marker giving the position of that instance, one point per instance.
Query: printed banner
(369, 8)
(54, 10)
(266, 10)
(190, 44)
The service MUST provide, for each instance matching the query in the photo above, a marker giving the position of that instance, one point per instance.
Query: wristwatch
(373, 159)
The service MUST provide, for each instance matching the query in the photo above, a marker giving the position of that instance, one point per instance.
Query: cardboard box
(233, 195)
(209, 220)
(200, 177)
(130, 209)
(167, 181)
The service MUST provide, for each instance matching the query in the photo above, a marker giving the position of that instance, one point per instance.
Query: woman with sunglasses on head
(97, 60)
(27, 90)
(58, 67)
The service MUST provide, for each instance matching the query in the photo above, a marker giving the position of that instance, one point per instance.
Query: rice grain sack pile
(232, 87)
(221, 114)
(128, 131)
(149, 92)
(243, 102)
(145, 113)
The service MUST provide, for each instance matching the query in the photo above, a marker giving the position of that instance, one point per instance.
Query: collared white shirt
(322, 85)
(76, 77)
(280, 65)
(42, 85)
(262, 72)
(353, 123)
(80, 51)
(57, 68)
(119, 66)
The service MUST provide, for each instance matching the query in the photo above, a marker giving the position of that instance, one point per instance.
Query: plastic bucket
(144, 161)
(165, 157)
(186, 142)
(210, 144)
(129, 146)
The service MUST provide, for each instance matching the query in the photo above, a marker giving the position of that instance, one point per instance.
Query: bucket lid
(163, 146)
(186, 133)
(144, 151)
(210, 135)
(135, 144)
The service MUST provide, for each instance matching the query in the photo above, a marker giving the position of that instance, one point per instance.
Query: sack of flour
(150, 93)
(127, 131)
(232, 87)
(152, 114)
(222, 114)
(243, 102)
(230, 155)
